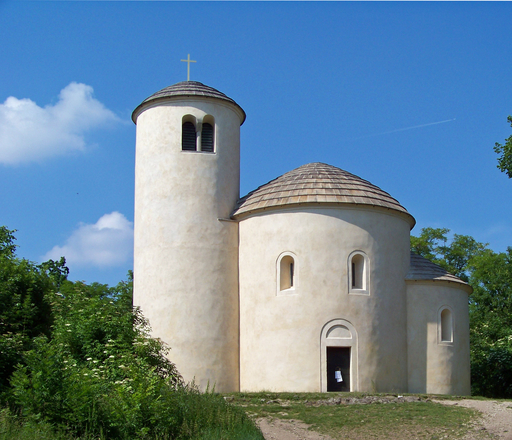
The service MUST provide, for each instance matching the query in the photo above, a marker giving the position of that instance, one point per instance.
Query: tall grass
(12, 427)
(181, 415)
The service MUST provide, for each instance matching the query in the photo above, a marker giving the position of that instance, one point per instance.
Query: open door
(338, 368)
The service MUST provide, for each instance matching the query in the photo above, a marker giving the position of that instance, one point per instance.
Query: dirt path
(496, 423)
(277, 429)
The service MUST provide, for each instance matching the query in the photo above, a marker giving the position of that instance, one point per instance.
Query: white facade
(306, 280)
(280, 331)
(181, 240)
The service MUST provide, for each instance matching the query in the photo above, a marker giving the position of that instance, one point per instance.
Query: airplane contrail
(406, 128)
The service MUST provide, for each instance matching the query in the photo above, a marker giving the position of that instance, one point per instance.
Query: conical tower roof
(185, 89)
(317, 183)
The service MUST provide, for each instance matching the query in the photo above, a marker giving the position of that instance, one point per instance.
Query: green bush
(101, 374)
(491, 369)
(25, 311)
(77, 362)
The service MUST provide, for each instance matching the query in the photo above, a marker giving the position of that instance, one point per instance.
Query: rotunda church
(305, 284)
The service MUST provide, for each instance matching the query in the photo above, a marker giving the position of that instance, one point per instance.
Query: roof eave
(150, 102)
(450, 283)
(244, 214)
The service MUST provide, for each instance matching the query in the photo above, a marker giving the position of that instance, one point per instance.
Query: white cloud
(30, 133)
(107, 243)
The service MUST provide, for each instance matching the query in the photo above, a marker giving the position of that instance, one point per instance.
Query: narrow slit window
(188, 137)
(446, 326)
(286, 272)
(207, 138)
(358, 272)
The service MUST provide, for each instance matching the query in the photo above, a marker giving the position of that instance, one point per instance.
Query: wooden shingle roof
(185, 89)
(317, 183)
(422, 269)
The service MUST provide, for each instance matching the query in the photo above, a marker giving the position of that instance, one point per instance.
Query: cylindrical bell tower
(187, 180)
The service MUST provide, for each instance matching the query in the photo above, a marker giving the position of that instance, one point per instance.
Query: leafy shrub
(491, 368)
(77, 362)
(25, 311)
(101, 374)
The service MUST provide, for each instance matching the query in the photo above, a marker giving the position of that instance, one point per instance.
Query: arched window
(358, 273)
(286, 273)
(188, 136)
(207, 137)
(445, 325)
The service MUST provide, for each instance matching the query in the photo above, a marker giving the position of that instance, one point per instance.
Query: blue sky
(410, 96)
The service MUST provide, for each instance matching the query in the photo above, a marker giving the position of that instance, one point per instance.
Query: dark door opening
(338, 368)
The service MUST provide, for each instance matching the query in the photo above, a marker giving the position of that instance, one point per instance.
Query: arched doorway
(338, 357)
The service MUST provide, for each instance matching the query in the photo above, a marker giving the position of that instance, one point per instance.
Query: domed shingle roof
(184, 89)
(317, 183)
(422, 269)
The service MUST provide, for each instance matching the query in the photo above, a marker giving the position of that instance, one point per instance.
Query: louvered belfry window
(188, 137)
(207, 138)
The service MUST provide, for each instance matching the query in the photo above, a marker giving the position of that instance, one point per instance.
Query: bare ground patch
(489, 420)
(496, 421)
(277, 429)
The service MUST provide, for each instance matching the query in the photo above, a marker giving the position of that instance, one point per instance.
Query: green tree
(505, 152)
(101, 375)
(490, 304)
(7, 246)
(25, 308)
(78, 359)
(491, 324)
(100, 371)
(454, 257)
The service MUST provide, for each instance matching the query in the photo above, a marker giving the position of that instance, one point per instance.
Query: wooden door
(338, 367)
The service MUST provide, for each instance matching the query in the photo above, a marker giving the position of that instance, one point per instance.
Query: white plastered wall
(281, 335)
(436, 366)
(186, 259)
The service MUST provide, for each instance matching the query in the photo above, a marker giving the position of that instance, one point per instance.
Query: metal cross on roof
(188, 61)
